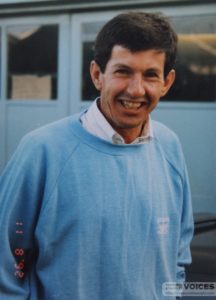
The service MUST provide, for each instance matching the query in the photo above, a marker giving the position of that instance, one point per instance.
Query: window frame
(10, 33)
(62, 54)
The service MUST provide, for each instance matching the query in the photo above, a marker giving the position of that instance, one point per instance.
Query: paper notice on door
(31, 87)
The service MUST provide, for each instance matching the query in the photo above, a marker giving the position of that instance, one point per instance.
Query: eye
(151, 74)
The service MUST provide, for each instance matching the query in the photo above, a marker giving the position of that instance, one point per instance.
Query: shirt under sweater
(83, 219)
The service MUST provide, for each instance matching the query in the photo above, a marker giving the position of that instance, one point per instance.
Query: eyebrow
(121, 65)
(154, 70)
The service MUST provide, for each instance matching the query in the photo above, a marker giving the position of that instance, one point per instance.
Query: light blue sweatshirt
(83, 219)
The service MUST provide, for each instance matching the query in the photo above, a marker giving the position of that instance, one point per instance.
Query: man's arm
(21, 191)
(187, 227)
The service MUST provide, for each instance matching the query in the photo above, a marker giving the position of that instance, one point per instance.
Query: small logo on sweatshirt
(163, 225)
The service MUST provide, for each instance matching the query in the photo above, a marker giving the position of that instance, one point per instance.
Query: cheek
(116, 86)
(154, 90)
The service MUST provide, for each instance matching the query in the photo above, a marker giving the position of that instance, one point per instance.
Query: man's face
(130, 88)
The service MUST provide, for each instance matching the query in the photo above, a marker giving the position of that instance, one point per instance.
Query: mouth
(132, 104)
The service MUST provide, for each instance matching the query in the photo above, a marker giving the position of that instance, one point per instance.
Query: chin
(133, 124)
(130, 125)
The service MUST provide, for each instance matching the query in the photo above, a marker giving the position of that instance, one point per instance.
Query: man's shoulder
(54, 138)
(163, 133)
(169, 144)
(54, 132)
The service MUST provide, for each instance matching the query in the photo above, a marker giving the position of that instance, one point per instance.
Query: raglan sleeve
(187, 226)
(21, 193)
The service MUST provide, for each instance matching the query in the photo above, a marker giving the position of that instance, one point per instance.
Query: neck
(130, 134)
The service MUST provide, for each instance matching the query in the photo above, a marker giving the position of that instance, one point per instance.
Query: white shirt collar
(95, 123)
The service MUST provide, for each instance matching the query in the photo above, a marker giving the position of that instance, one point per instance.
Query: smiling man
(97, 206)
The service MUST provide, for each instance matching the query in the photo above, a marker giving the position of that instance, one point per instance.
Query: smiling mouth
(132, 104)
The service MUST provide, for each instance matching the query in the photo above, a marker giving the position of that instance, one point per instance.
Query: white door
(34, 84)
(190, 108)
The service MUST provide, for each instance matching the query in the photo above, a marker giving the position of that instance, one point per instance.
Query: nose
(136, 86)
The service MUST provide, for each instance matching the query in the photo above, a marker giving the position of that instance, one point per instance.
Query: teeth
(129, 104)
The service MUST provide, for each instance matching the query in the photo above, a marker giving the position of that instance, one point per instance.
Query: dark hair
(137, 31)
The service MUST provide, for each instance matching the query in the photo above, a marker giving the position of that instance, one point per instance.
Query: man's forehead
(122, 56)
(118, 47)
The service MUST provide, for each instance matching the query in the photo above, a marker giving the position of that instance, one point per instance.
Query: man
(97, 206)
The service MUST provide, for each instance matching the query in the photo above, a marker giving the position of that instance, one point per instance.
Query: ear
(168, 82)
(96, 75)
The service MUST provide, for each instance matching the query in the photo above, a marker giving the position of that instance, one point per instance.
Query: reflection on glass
(89, 91)
(32, 62)
(195, 66)
(196, 60)
(89, 32)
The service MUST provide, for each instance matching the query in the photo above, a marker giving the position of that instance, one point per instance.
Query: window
(89, 32)
(89, 91)
(32, 62)
(196, 60)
